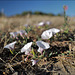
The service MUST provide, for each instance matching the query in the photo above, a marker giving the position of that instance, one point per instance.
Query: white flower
(33, 62)
(46, 35)
(54, 30)
(42, 45)
(23, 32)
(48, 22)
(26, 25)
(13, 34)
(41, 24)
(49, 33)
(26, 59)
(27, 48)
(11, 45)
(40, 50)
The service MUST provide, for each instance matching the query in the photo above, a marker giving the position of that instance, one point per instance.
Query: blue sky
(17, 7)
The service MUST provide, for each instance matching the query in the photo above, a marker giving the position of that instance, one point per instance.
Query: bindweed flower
(54, 31)
(42, 45)
(22, 33)
(49, 33)
(26, 25)
(41, 24)
(48, 22)
(33, 62)
(40, 50)
(27, 48)
(26, 59)
(46, 35)
(13, 35)
(65, 7)
(10, 46)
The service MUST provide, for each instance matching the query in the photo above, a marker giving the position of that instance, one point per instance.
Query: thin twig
(9, 66)
(2, 60)
(15, 56)
(15, 64)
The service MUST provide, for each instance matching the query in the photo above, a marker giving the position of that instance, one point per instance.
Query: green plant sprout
(11, 52)
(34, 55)
(28, 29)
(65, 19)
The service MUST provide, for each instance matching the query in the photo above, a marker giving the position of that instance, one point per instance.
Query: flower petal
(42, 44)
(33, 62)
(10, 46)
(26, 47)
(54, 30)
(40, 50)
(46, 35)
(41, 24)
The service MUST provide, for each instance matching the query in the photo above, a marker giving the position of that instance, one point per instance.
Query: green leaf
(63, 54)
(33, 53)
(11, 51)
(71, 39)
(66, 31)
(50, 54)
(56, 52)
(57, 34)
(69, 52)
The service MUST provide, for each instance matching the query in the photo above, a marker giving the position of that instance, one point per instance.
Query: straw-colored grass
(16, 23)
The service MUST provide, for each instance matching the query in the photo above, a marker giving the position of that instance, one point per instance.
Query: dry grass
(16, 23)
(58, 53)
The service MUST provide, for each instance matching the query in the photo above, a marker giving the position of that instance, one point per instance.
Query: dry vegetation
(60, 63)
(16, 23)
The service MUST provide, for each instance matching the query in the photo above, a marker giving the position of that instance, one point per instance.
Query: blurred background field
(15, 14)
(16, 23)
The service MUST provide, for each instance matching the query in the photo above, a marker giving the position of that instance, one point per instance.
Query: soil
(57, 64)
(59, 59)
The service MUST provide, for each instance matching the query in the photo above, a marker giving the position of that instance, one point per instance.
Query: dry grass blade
(15, 56)
(15, 64)
(70, 47)
(9, 66)
(2, 60)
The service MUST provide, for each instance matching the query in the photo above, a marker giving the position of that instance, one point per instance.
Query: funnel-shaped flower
(11, 45)
(13, 34)
(22, 32)
(49, 33)
(27, 48)
(40, 50)
(33, 62)
(54, 31)
(26, 25)
(42, 45)
(48, 22)
(46, 35)
(41, 24)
